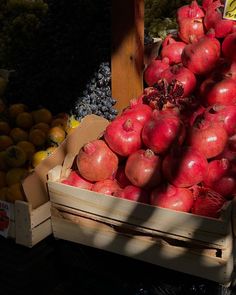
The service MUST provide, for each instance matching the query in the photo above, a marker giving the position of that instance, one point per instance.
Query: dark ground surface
(56, 267)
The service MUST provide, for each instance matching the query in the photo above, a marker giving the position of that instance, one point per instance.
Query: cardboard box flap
(35, 185)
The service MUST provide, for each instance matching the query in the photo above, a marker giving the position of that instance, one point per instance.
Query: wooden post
(127, 50)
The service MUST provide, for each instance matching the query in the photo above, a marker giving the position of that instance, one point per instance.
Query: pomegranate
(96, 161)
(209, 138)
(192, 10)
(200, 57)
(207, 202)
(123, 135)
(220, 177)
(162, 131)
(183, 75)
(121, 177)
(154, 69)
(133, 193)
(229, 151)
(143, 168)
(75, 179)
(171, 197)
(184, 166)
(138, 111)
(229, 46)
(106, 187)
(191, 30)
(223, 114)
(218, 90)
(172, 49)
(214, 20)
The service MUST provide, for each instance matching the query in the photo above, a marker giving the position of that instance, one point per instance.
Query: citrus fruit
(27, 147)
(15, 192)
(38, 157)
(18, 134)
(56, 135)
(42, 126)
(24, 120)
(15, 175)
(5, 142)
(15, 156)
(3, 181)
(61, 122)
(4, 128)
(51, 149)
(42, 115)
(3, 85)
(71, 124)
(2, 106)
(16, 109)
(3, 193)
(3, 164)
(37, 137)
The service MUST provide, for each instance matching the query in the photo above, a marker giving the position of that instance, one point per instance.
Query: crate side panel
(97, 235)
(160, 219)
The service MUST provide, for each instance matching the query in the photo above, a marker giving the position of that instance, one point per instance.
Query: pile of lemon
(26, 138)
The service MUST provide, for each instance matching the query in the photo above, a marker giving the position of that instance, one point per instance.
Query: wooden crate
(180, 241)
(29, 226)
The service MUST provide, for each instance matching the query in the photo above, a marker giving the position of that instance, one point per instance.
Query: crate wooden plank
(22, 223)
(96, 234)
(136, 230)
(41, 231)
(31, 226)
(127, 62)
(163, 220)
(40, 214)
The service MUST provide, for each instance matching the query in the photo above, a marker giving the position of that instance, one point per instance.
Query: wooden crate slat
(95, 234)
(22, 223)
(161, 219)
(127, 62)
(176, 239)
(40, 214)
(41, 231)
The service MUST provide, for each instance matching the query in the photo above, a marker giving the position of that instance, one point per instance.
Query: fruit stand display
(175, 152)
(149, 170)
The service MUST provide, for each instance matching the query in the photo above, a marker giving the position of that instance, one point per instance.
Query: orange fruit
(3, 164)
(5, 142)
(28, 148)
(15, 192)
(38, 157)
(18, 134)
(42, 126)
(16, 109)
(56, 135)
(2, 106)
(4, 128)
(15, 175)
(72, 123)
(3, 86)
(60, 122)
(42, 115)
(3, 193)
(3, 181)
(24, 120)
(37, 137)
(51, 149)
(15, 156)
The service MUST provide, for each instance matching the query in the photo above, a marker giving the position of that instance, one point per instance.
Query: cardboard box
(26, 226)
(30, 220)
(181, 241)
(34, 185)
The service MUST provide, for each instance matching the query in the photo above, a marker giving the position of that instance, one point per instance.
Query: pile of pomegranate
(175, 145)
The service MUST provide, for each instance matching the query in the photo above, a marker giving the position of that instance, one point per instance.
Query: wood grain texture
(127, 62)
